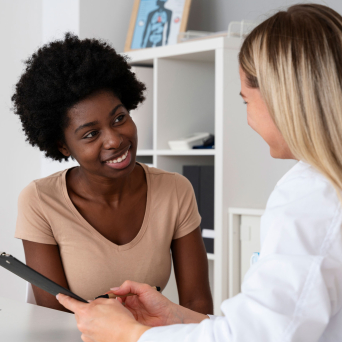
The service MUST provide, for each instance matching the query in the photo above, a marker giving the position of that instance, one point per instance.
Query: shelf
(145, 152)
(201, 50)
(203, 76)
(210, 256)
(185, 153)
(175, 153)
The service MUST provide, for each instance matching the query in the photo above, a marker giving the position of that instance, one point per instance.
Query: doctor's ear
(63, 148)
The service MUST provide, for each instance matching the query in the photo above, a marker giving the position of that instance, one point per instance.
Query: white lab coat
(294, 292)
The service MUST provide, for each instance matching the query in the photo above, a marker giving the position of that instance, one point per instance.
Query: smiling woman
(111, 219)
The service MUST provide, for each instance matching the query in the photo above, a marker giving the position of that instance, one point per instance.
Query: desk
(21, 322)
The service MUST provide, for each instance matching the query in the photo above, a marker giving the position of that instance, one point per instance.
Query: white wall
(20, 35)
(111, 17)
(205, 15)
(215, 15)
(59, 17)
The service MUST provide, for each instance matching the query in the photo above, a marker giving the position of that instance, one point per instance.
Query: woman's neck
(101, 189)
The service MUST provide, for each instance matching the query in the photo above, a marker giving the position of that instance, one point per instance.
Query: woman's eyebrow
(242, 94)
(93, 123)
(88, 124)
(112, 112)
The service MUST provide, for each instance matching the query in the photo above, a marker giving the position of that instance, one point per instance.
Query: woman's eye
(91, 134)
(244, 102)
(119, 118)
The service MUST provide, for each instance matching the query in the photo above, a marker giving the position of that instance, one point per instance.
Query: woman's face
(259, 119)
(101, 136)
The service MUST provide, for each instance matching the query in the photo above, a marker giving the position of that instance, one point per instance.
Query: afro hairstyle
(59, 75)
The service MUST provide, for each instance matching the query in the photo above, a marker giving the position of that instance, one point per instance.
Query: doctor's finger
(131, 287)
(70, 303)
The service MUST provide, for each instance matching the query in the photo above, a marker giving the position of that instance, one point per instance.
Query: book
(202, 179)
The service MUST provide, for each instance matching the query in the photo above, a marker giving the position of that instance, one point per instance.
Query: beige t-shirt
(93, 264)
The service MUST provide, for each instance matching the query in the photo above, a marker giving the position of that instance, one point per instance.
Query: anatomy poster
(158, 23)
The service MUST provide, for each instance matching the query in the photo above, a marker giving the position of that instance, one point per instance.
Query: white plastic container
(189, 142)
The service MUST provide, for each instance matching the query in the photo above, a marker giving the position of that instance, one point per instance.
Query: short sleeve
(32, 224)
(188, 216)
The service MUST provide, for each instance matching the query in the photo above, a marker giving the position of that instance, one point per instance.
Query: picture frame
(156, 23)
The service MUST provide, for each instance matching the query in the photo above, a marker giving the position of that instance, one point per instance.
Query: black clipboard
(35, 278)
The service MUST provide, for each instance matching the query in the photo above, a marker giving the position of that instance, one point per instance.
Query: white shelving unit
(196, 89)
(244, 240)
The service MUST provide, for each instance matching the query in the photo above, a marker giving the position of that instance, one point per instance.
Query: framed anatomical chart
(156, 23)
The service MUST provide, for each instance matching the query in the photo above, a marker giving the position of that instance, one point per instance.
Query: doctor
(291, 81)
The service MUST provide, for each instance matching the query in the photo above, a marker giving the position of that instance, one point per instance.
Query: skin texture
(259, 120)
(101, 129)
(150, 308)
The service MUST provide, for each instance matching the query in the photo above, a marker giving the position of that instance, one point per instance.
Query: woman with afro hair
(111, 219)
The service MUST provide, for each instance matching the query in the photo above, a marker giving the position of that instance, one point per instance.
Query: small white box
(189, 142)
(208, 233)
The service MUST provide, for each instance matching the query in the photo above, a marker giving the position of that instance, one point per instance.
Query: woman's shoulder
(169, 178)
(151, 170)
(47, 185)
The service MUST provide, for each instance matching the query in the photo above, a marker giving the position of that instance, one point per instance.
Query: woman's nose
(112, 140)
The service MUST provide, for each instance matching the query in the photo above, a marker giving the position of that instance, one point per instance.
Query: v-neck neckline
(95, 232)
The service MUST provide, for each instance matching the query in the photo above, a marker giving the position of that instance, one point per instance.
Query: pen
(112, 295)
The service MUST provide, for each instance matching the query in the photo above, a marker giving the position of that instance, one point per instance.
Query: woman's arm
(191, 271)
(46, 260)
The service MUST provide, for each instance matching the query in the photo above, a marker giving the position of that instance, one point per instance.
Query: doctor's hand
(150, 307)
(104, 320)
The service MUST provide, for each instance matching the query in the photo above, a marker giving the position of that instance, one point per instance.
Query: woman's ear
(63, 148)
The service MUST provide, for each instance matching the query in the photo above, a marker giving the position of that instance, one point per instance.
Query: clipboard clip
(5, 255)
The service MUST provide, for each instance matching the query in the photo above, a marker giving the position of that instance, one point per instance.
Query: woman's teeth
(119, 160)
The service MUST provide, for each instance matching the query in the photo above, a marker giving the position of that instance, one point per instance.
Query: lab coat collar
(294, 171)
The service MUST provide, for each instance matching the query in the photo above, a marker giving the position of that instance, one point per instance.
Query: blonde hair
(295, 59)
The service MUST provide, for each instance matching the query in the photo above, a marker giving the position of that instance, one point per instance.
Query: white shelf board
(246, 211)
(200, 50)
(145, 152)
(203, 152)
(210, 256)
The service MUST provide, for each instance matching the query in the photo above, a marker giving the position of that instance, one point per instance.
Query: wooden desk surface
(21, 322)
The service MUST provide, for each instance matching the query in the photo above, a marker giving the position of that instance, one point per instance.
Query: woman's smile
(120, 162)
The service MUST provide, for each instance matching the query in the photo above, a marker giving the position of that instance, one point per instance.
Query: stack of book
(202, 179)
